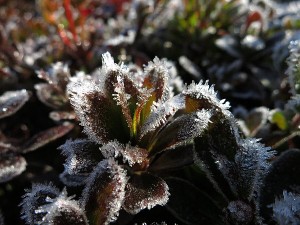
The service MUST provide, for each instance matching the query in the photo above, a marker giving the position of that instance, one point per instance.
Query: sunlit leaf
(278, 118)
(101, 118)
(12, 101)
(104, 193)
(145, 191)
(46, 137)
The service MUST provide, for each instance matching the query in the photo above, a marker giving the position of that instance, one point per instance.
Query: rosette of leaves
(12, 162)
(144, 129)
(53, 93)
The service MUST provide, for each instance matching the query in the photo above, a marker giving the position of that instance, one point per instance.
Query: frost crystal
(286, 210)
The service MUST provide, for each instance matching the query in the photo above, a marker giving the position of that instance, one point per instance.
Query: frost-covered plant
(139, 128)
(12, 163)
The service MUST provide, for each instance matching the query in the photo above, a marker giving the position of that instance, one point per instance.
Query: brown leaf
(46, 136)
(145, 191)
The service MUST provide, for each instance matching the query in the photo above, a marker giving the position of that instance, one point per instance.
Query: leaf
(278, 118)
(82, 156)
(47, 136)
(63, 210)
(283, 175)
(51, 96)
(160, 113)
(256, 119)
(181, 130)
(228, 43)
(252, 161)
(190, 205)
(174, 158)
(39, 195)
(100, 117)
(12, 101)
(11, 165)
(145, 191)
(104, 192)
(62, 115)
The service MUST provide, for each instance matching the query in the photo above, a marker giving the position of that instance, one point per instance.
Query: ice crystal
(286, 210)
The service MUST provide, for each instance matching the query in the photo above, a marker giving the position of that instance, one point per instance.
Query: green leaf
(278, 118)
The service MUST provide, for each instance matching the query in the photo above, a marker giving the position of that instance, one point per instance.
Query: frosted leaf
(157, 78)
(104, 193)
(82, 156)
(202, 95)
(252, 162)
(130, 154)
(145, 191)
(11, 165)
(51, 96)
(39, 195)
(109, 69)
(160, 113)
(293, 70)
(286, 210)
(62, 210)
(183, 129)
(12, 101)
(97, 113)
(46, 137)
(122, 98)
